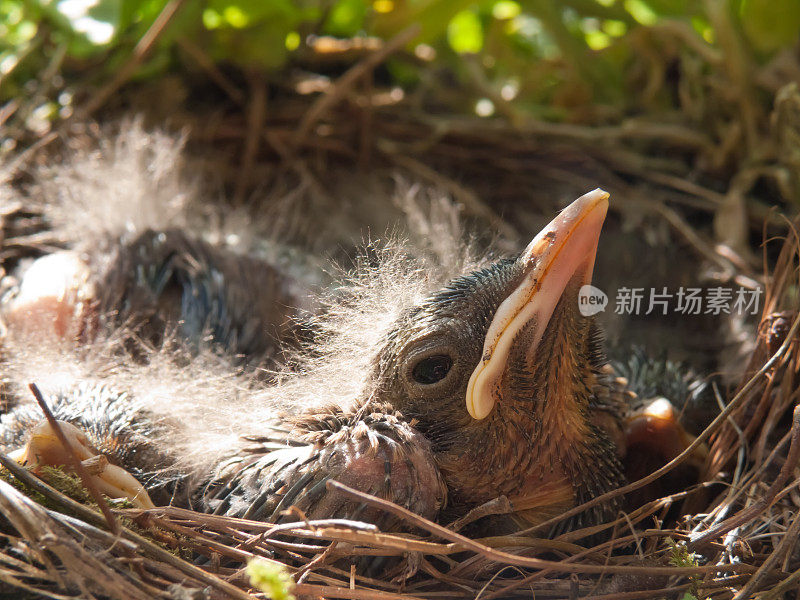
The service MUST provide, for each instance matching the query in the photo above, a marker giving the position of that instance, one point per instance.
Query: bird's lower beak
(562, 251)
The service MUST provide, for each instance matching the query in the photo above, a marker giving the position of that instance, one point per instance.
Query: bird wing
(375, 451)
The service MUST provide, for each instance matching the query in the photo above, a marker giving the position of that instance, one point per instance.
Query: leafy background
(545, 56)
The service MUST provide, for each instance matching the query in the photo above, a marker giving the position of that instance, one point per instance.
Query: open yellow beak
(562, 250)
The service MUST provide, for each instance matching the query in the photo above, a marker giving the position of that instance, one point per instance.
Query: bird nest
(733, 535)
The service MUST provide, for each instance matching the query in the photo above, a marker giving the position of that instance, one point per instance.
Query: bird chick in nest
(494, 385)
(440, 400)
(123, 213)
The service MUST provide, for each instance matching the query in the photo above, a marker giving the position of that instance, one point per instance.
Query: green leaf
(292, 41)
(106, 11)
(346, 18)
(597, 40)
(771, 24)
(271, 577)
(506, 9)
(465, 33)
(212, 19)
(236, 17)
(614, 28)
(641, 11)
(669, 8)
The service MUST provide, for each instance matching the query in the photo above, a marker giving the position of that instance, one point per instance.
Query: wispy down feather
(129, 183)
(134, 182)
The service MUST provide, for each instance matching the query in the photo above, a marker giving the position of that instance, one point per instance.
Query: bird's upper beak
(562, 251)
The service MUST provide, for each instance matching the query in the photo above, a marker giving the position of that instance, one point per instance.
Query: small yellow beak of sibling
(45, 449)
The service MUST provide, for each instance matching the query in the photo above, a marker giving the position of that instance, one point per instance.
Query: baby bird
(495, 385)
(161, 284)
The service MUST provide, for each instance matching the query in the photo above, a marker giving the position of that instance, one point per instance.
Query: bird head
(503, 355)
(465, 348)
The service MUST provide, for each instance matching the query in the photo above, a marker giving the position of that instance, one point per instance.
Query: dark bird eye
(432, 369)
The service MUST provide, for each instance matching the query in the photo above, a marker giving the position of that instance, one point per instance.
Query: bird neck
(539, 446)
(557, 383)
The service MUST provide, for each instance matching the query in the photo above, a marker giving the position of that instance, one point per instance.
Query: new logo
(591, 300)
